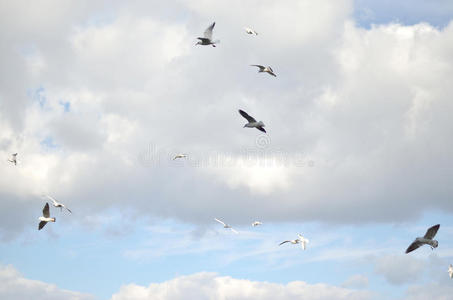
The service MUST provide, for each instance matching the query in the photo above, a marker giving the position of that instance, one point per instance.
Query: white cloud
(15, 287)
(211, 286)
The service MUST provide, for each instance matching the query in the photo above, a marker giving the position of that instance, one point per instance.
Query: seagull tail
(54, 219)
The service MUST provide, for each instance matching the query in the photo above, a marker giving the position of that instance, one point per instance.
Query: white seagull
(426, 239)
(58, 204)
(207, 39)
(301, 240)
(265, 69)
(46, 217)
(256, 223)
(226, 225)
(450, 271)
(180, 156)
(252, 123)
(13, 159)
(250, 31)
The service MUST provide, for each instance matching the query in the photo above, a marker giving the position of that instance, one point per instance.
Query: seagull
(58, 204)
(252, 122)
(265, 69)
(226, 225)
(427, 239)
(13, 159)
(256, 223)
(250, 31)
(207, 39)
(301, 240)
(450, 271)
(46, 217)
(180, 156)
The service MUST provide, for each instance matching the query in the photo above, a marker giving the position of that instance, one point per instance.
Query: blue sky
(357, 156)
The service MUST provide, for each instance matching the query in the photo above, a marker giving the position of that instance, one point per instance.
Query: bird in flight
(13, 159)
(301, 240)
(450, 270)
(428, 239)
(252, 123)
(250, 31)
(226, 225)
(265, 69)
(180, 156)
(256, 223)
(46, 217)
(207, 39)
(58, 204)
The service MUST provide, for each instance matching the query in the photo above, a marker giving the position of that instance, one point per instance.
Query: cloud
(368, 107)
(356, 281)
(400, 269)
(211, 286)
(15, 287)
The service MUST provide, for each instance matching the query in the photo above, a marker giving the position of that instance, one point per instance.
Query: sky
(97, 97)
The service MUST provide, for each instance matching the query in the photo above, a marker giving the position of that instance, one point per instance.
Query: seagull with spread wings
(58, 204)
(301, 240)
(256, 223)
(250, 31)
(226, 225)
(207, 39)
(180, 156)
(265, 69)
(252, 123)
(428, 239)
(46, 217)
(13, 159)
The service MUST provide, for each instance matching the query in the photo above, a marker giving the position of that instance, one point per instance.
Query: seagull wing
(261, 129)
(413, 246)
(41, 225)
(208, 31)
(53, 200)
(283, 242)
(246, 115)
(68, 209)
(259, 66)
(234, 230)
(220, 221)
(272, 73)
(431, 232)
(45, 211)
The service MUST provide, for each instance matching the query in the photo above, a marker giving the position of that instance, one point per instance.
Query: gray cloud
(370, 108)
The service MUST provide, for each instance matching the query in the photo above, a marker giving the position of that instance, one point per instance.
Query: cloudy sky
(98, 96)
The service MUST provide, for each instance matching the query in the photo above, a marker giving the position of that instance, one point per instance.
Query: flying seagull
(13, 159)
(427, 239)
(207, 39)
(450, 271)
(252, 122)
(58, 204)
(226, 225)
(180, 156)
(256, 223)
(265, 69)
(301, 240)
(46, 217)
(250, 31)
